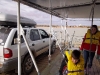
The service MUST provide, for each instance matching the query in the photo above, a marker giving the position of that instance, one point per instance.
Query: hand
(98, 57)
(81, 52)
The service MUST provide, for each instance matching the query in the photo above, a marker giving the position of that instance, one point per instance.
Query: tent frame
(21, 32)
(50, 12)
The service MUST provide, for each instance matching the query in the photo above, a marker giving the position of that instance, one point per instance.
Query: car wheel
(53, 47)
(27, 65)
(12, 72)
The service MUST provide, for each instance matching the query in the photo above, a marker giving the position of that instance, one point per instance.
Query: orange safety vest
(95, 38)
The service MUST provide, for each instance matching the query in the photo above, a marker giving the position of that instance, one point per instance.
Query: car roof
(11, 20)
(28, 28)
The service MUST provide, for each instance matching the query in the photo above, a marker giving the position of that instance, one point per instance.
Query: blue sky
(10, 7)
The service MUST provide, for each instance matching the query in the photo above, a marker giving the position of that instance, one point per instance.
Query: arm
(98, 51)
(81, 48)
(68, 54)
(98, 46)
(82, 62)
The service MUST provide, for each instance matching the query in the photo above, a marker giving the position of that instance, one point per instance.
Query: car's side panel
(37, 43)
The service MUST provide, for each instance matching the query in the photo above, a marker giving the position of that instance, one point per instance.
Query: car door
(45, 39)
(14, 46)
(36, 42)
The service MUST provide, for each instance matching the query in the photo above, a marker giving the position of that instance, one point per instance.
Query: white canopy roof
(66, 8)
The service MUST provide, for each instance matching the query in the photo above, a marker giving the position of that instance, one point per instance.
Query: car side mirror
(50, 35)
(15, 41)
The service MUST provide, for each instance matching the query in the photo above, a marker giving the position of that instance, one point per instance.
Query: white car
(38, 41)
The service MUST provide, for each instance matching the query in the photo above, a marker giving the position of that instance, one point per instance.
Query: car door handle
(33, 44)
(43, 41)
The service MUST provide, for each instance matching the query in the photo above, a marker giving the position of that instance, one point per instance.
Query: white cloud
(10, 7)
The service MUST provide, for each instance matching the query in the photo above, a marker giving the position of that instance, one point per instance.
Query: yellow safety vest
(95, 38)
(73, 67)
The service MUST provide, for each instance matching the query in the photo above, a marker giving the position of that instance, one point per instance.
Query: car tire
(53, 47)
(27, 65)
(12, 72)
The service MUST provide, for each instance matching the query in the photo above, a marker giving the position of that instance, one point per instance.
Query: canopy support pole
(92, 20)
(93, 11)
(65, 35)
(93, 6)
(19, 28)
(19, 41)
(49, 56)
(30, 52)
(71, 43)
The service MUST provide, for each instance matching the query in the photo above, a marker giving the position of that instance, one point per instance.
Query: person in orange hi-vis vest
(89, 45)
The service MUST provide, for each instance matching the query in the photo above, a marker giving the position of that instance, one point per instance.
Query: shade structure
(66, 8)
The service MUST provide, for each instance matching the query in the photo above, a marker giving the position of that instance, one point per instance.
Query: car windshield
(4, 32)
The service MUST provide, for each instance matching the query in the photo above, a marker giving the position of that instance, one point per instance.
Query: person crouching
(75, 63)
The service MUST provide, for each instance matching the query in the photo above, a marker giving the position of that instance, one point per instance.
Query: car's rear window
(4, 32)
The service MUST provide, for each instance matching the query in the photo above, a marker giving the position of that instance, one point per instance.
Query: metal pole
(19, 41)
(50, 32)
(31, 54)
(65, 32)
(72, 39)
(62, 24)
(50, 42)
(93, 6)
(93, 11)
(60, 37)
(92, 20)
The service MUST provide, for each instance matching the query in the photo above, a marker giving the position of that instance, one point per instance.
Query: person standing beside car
(89, 45)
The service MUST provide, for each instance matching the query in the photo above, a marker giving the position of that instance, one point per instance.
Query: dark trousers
(88, 57)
